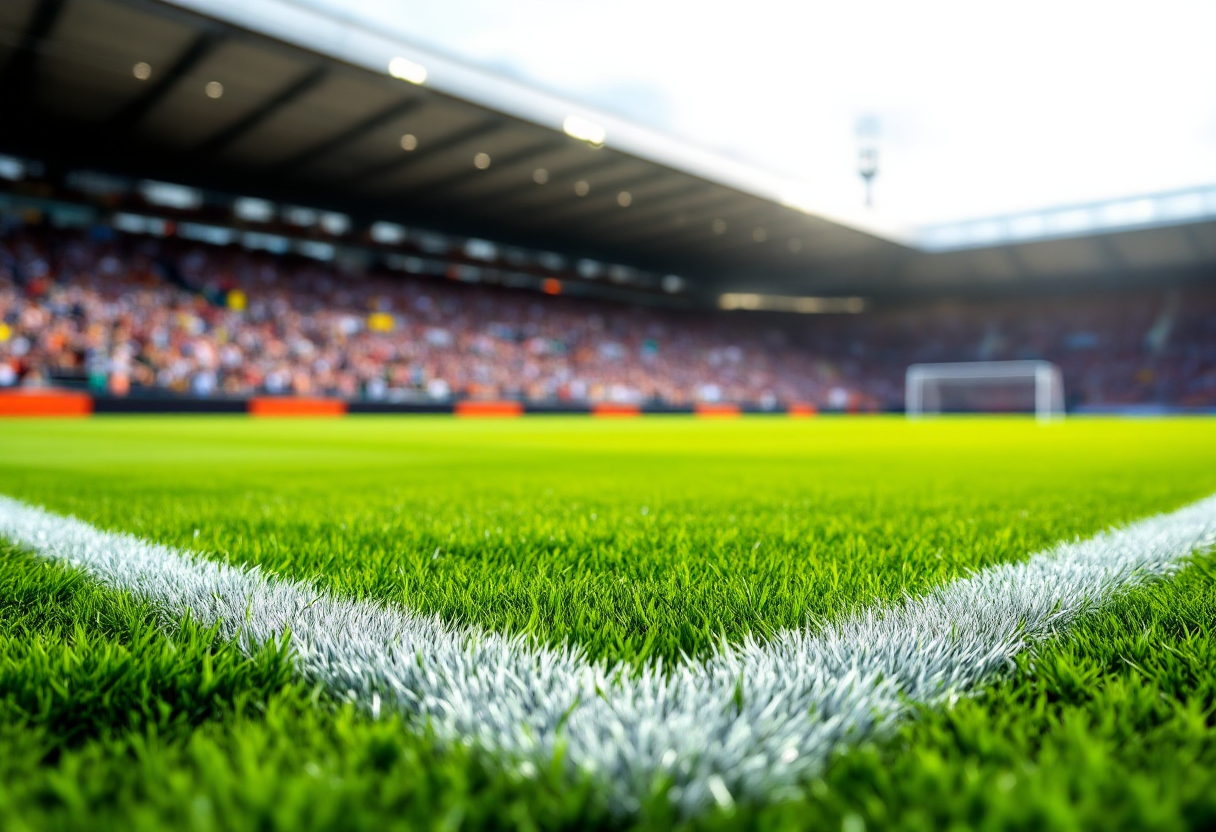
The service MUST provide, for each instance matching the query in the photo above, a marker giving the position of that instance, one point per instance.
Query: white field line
(749, 722)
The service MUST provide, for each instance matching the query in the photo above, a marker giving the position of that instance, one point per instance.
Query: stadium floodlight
(994, 386)
(584, 129)
(799, 202)
(407, 70)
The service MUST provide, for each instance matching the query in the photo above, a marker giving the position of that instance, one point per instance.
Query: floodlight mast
(867, 166)
(923, 384)
(867, 155)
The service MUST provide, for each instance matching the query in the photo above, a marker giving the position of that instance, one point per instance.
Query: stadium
(391, 438)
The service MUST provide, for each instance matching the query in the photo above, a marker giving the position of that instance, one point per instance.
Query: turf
(634, 540)
(109, 720)
(1111, 727)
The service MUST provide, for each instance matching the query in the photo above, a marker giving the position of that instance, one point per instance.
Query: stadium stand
(132, 315)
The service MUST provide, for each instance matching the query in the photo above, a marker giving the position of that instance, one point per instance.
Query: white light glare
(170, 195)
(11, 168)
(253, 210)
(584, 130)
(388, 233)
(334, 223)
(407, 70)
(798, 202)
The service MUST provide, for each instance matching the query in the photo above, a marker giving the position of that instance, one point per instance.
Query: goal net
(985, 387)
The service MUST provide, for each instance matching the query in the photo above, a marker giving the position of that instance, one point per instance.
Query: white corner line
(749, 722)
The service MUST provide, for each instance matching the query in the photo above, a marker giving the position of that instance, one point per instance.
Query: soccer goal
(985, 387)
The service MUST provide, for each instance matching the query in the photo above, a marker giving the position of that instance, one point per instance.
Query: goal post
(985, 386)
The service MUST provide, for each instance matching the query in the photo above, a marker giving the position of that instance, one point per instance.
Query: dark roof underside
(296, 126)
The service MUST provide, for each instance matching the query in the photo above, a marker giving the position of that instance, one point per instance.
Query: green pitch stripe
(745, 722)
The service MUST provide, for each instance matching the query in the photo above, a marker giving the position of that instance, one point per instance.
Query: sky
(984, 108)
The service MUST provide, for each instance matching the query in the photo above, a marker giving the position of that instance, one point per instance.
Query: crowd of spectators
(137, 315)
(1114, 349)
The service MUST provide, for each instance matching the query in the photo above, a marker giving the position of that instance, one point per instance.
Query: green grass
(635, 540)
(1112, 726)
(109, 721)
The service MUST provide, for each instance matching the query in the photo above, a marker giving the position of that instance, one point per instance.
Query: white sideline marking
(748, 722)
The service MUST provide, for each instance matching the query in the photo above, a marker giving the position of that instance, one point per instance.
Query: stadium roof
(272, 99)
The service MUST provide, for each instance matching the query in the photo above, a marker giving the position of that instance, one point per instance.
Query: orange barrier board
(276, 407)
(717, 411)
(802, 411)
(45, 403)
(490, 410)
(613, 410)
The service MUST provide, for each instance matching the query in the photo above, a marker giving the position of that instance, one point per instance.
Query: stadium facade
(274, 128)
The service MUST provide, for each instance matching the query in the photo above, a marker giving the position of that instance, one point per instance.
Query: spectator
(153, 315)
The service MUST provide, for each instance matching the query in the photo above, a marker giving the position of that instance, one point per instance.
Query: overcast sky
(985, 107)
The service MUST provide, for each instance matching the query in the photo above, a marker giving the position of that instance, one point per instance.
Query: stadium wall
(69, 403)
(40, 403)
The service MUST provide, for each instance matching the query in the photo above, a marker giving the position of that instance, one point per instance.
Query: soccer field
(635, 548)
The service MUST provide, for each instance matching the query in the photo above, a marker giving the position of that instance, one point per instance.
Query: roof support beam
(650, 217)
(351, 134)
(654, 208)
(290, 93)
(202, 46)
(728, 244)
(698, 225)
(442, 144)
(597, 200)
(19, 75)
(529, 188)
(456, 180)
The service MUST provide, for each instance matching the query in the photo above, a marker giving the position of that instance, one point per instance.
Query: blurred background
(775, 206)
